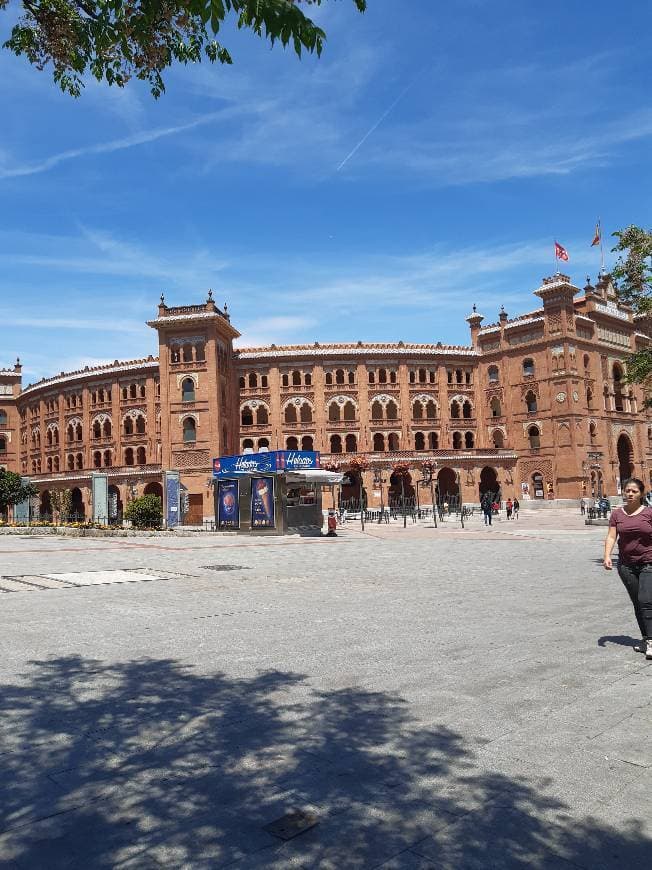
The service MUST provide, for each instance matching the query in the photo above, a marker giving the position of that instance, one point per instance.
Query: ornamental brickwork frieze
(554, 322)
(293, 399)
(532, 387)
(191, 458)
(617, 428)
(527, 467)
(493, 392)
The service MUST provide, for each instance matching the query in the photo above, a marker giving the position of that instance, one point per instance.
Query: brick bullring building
(536, 406)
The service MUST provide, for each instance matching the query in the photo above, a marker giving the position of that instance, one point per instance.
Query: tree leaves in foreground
(116, 40)
(632, 276)
(12, 490)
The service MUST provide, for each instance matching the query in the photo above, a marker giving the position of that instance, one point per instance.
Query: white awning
(314, 475)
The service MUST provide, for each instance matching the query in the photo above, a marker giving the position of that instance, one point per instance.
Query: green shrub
(145, 512)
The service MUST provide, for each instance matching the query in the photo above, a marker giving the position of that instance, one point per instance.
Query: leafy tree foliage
(145, 512)
(116, 40)
(632, 277)
(12, 489)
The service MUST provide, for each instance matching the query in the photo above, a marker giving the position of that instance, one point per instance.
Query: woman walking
(631, 525)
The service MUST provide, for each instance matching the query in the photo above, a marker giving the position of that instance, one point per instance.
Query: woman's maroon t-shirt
(634, 535)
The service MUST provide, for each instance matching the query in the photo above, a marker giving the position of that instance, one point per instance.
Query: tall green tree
(632, 276)
(116, 40)
(12, 489)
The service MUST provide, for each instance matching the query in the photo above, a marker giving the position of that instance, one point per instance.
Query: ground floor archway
(154, 488)
(115, 505)
(448, 487)
(77, 507)
(400, 487)
(45, 505)
(489, 483)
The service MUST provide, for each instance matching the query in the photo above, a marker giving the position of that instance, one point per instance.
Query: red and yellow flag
(597, 238)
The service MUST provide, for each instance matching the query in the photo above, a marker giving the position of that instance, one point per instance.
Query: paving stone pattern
(430, 698)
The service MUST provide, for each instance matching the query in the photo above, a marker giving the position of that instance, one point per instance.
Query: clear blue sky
(425, 163)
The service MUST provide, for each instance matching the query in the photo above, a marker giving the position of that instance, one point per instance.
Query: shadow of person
(619, 639)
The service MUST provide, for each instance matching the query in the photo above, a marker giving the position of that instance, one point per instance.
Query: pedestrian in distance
(631, 526)
(515, 507)
(582, 506)
(487, 508)
(332, 525)
(509, 507)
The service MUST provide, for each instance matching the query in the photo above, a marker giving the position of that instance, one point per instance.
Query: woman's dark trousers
(637, 580)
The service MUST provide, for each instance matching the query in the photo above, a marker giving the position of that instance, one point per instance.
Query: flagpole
(601, 249)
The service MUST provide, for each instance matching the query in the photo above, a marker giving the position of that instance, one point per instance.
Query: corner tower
(198, 401)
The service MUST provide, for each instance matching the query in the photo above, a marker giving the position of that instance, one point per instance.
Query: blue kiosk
(271, 493)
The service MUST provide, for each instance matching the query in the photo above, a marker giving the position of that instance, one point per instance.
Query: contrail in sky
(380, 120)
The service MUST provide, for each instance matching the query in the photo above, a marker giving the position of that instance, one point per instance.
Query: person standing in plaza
(515, 507)
(487, 507)
(509, 506)
(631, 526)
(582, 506)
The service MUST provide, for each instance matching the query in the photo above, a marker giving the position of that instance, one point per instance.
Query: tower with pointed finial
(475, 322)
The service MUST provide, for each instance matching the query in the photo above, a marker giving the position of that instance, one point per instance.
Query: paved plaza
(405, 699)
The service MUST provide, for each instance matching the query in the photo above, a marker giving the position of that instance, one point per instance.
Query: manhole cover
(224, 568)
(291, 825)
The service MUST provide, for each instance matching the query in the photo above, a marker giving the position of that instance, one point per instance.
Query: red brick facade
(536, 405)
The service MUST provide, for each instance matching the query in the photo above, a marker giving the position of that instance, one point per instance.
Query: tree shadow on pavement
(150, 764)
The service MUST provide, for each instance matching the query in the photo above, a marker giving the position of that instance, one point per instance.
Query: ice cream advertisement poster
(262, 503)
(228, 505)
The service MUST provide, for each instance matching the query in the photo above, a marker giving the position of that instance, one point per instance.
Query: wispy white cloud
(73, 323)
(135, 139)
(266, 330)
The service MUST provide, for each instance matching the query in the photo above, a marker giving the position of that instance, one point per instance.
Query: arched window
(469, 440)
(587, 362)
(3, 418)
(129, 456)
(392, 377)
(70, 462)
(175, 357)
(108, 460)
(200, 352)
(247, 416)
(349, 411)
(128, 426)
(133, 391)
(528, 367)
(382, 376)
(248, 444)
(242, 383)
(377, 411)
(291, 414)
(141, 458)
(140, 424)
(392, 442)
(372, 378)
(618, 387)
(339, 376)
(351, 443)
(351, 377)
(589, 398)
(422, 376)
(263, 442)
(530, 402)
(417, 411)
(296, 379)
(3, 444)
(285, 380)
(307, 379)
(263, 381)
(379, 442)
(413, 377)
(534, 436)
(459, 376)
(498, 439)
(336, 444)
(333, 412)
(189, 430)
(593, 432)
(467, 377)
(262, 417)
(457, 440)
(455, 410)
(493, 374)
(292, 443)
(494, 407)
(56, 463)
(307, 443)
(97, 459)
(433, 441)
(431, 410)
(467, 410)
(419, 441)
(391, 411)
(253, 380)
(48, 438)
(188, 390)
(305, 414)
(97, 429)
(79, 460)
(329, 378)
